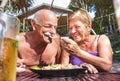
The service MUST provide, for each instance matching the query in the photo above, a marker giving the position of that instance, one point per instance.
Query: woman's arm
(105, 52)
(104, 61)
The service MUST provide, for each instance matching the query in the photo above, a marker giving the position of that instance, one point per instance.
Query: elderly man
(42, 45)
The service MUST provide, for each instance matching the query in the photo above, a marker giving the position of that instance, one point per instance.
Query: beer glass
(9, 30)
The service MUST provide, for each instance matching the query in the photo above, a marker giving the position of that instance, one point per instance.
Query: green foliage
(103, 7)
(100, 26)
(114, 37)
(16, 6)
(101, 30)
(24, 28)
(115, 41)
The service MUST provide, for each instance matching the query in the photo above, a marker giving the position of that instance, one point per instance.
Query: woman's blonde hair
(83, 16)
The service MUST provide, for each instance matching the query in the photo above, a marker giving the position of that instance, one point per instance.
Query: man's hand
(20, 66)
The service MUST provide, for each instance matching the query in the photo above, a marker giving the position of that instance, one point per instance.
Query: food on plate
(36, 68)
(56, 67)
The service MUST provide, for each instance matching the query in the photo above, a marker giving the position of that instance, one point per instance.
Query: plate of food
(58, 70)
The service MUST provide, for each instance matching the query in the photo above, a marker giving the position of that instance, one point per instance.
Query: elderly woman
(92, 51)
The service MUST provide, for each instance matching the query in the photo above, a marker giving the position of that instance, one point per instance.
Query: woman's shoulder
(103, 39)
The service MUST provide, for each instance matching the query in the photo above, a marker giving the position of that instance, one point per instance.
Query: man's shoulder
(22, 36)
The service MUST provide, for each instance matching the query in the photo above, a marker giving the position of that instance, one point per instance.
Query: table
(103, 76)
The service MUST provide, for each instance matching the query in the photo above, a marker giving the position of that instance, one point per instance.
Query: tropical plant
(103, 7)
(16, 6)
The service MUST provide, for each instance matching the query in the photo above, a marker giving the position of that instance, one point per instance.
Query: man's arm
(58, 55)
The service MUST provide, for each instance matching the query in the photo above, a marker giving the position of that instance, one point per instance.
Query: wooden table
(31, 76)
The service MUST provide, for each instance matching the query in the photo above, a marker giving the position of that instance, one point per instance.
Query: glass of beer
(9, 30)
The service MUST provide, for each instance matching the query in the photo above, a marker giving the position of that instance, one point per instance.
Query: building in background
(62, 14)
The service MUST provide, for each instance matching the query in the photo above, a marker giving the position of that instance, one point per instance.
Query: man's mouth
(48, 34)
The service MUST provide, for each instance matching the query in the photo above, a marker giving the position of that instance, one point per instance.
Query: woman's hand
(90, 68)
(70, 45)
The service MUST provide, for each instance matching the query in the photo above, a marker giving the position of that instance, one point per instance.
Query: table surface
(31, 76)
